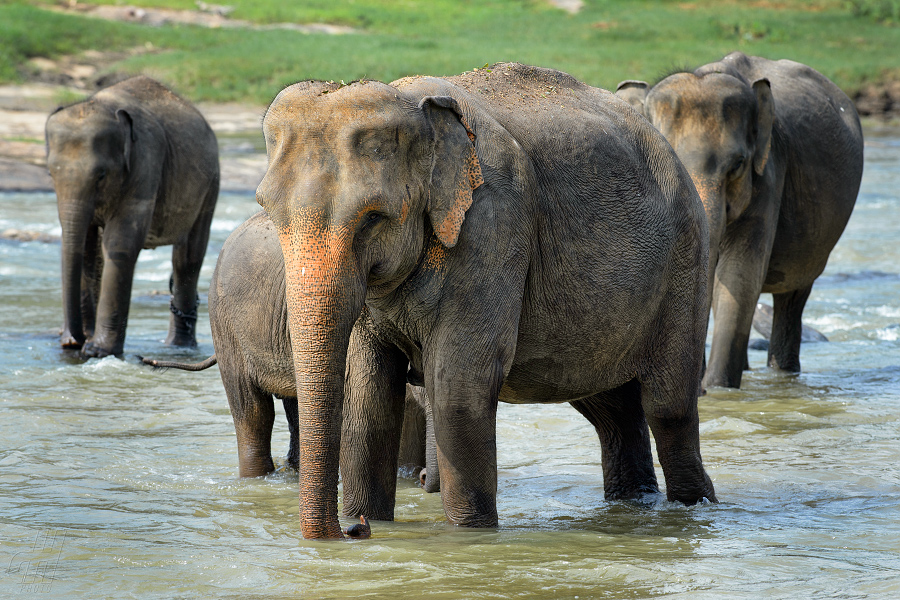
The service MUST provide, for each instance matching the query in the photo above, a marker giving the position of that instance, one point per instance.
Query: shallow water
(120, 482)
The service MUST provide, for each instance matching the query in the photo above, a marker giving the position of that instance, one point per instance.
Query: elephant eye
(101, 173)
(737, 166)
(372, 219)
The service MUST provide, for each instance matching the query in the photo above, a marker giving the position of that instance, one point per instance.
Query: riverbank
(24, 110)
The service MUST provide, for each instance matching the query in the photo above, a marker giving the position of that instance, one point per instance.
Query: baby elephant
(248, 319)
(134, 166)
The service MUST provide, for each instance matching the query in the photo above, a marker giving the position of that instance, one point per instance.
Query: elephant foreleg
(670, 407)
(290, 412)
(253, 413)
(787, 329)
(375, 396)
(115, 296)
(90, 280)
(618, 417)
(464, 406)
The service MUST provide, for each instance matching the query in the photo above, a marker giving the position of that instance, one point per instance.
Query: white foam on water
(888, 334)
(886, 311)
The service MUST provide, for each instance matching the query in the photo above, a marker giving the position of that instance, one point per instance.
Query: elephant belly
(574, 360)
(541, 383)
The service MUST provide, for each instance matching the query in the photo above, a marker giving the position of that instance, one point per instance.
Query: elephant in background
(775, 150)
(134, 166)
(508, 234)
(249, 325)
(762, 323)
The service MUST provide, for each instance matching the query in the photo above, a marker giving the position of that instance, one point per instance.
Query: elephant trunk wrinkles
(325, 295)
(75, 219)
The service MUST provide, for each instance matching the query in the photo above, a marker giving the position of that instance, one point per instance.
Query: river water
(120, 482)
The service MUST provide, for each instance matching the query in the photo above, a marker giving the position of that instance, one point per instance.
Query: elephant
(134, 166)
(762, 323)
(775, 150)
(508, 234)
(248, 322)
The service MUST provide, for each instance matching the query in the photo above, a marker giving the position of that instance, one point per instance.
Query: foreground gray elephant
(776, 152)
(134, 166)
(510, 234)
(248, 321)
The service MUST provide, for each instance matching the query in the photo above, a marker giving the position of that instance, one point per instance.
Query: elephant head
(359, 178)
(89, 156)
(720, 126)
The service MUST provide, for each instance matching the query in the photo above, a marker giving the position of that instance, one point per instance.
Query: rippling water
(120, 482)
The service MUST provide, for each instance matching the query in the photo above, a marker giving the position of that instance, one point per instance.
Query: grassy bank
(604, 43)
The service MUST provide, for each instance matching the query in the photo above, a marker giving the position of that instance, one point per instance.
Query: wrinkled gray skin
(776, 153)
(512, 234)
(248, 321)
(134, 167)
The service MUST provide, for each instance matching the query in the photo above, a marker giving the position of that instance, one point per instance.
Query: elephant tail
(164, 364)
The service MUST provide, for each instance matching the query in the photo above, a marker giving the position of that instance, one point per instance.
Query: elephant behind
(775, 150)
(134, 166)
(512, 234)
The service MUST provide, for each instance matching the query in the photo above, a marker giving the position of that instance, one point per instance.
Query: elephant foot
(181, 340)
(183, 326)
(69, 341)
(702, 494)
(360, 531)
(642, 494)
(92, 350)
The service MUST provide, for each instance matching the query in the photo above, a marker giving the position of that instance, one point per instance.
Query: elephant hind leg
(187, 259)
(787, 329)
(618, 417)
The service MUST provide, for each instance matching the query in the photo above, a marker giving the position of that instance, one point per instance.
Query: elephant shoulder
(251, 252)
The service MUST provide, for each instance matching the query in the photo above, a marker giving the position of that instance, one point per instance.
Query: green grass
(606, 42)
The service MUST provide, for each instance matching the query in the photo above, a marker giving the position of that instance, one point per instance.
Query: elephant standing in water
(134, 166)
(512, 234)
(775, 150)
(249, 326)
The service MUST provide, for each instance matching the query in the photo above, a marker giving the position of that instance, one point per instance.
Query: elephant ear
(764, 122)
(633, 92)
(455, 170)
(126, 123)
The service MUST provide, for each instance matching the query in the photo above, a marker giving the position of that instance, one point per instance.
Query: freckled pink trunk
(325, 295)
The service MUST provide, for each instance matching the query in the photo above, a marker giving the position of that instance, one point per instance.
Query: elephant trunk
(432, 479)
(714, 206)
(75, 219)
(325, 296)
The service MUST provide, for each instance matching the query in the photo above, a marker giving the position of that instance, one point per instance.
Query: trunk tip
(360, 531)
